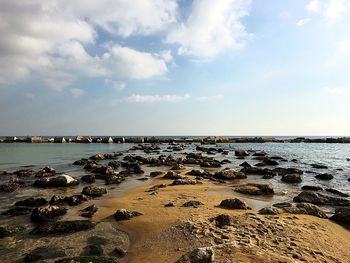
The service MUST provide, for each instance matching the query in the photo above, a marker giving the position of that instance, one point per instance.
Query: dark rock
(284, 171)
(81, 162)
(11, 186)
(90, 166)
(229, 174)
(46, 172)
(270, 211)
(257, 171)
(245, 164)
(58, 199)
(113, 179)
(234, 203)
(48, 252)
(311, 188)
(262, 153)
(336, 192)
(88, 259)
(10, 230)
(32, 202)
(103, 170)
(77, 199)
(241, 153)
(223, 220)
(192, 203)
(98, 156)
(156, 173)
(123, 214)
(320, 199)
(199, 173)
(185, 182)
(89, 178)
(301, 208)
(114, 164)
(89, 211)
(169, 205)
(47, 213)
(324, 177)
(94, 191)
(24, 173)
(255, 189)
(119, 252)
(177, 167)
(95, 250)
(62, 227)
(156, 187)
(58, 181)
(171, 175)
(30, 257)
(291, 178)
(341, 215)
(319, 166)
(17, 211)
(198, 255)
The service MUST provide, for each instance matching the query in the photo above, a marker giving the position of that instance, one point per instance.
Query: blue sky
(159, 67)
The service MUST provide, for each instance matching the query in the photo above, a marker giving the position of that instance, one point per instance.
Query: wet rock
(229, 174)
(10, 230)
(17, 211)
(270, 211)
(62, 227)
(320, 199)
(98, 156)
(46, 172)
(58, 181)
(32, 202)
(336, 192)
(89, 211)
(177, 167)
(94, 191)
(123, 214)
(341, 215)
(119, 252)
(88, 259)
(58, 199)
(156, 173)
(301, 208)
(11, 186)
(114, 164)
(257, 171)
(319, 166)
(199, 173)
(185, 182)
(325, 177)
(103, 170)
(95, 250)
(156, 187)
(241, 153)
(311, 188)
(47, 252)
(210, 164)
(113, 179)
(47, 213)
(198, 255)
(81, 162)
(245, 164)
(24, 173)
(171, 175)
(77, 199)
(255, 189)
(89, 178)
(192, 203)
(268, 161)
(30, 257)
(283, 171)
(234, 203)
(261, 153)
(291, 178)
(223, 220)
(90, 166)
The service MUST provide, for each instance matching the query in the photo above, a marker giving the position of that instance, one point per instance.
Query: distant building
(107, 140)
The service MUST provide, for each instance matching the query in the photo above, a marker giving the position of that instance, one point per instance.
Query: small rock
(47, 213)
(198, 255)
(324, 177)
(123, 214)
(192, 203)
(234, 203)
(94, 191)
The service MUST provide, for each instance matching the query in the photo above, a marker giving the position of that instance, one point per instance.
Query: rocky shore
(190, 205)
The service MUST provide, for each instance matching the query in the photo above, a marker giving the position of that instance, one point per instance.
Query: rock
(169, 205)
(270, 211)
(156, 173)
(198, 255)
(255, 189)
(185, 182)
(58, 181)
(98, 156)
(291, 178)
(245, 164)
(103, 170)
(234, 203)
(123, 214)
(88, 259)
(210, 164)
(62, 227)
(177, 167)
(94, 191)
(10, 230)
(257, 171)
(320, 199)
(17, 211)
(30, 257)
(241, 153)
(81, 162)
(113, 179)
(47, 213)
(336, 192)
(324, 176)
(171, 175)
(119, 252)
(223, 220)
(301, 208)
(46, 172)
(77, 199)
(90, 165)
(24, 173)
(89, 211)
(32, 202)
(58, 199)
(311, 188)
(341, 215)
(268, 161)
(319, 166)
(11, 186)
(192, 203)
(114, 164)
(199, 173)
(47, 252)
(283, 171)
(261, 153)
(89, 178)
(156, 187)
(95, 250)
(229, 174)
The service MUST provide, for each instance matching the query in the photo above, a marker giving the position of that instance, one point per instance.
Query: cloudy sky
(162, 67)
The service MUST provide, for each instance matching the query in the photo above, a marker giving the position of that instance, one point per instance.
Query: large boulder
(103, 170)
(341, 215)
(198, 255)
(255, 189)
(320, 199)
(94, 191)
(123, 214)
(58, 181)
(47, 213)
(11, 186)
(234, 203)
(291, 178)
(229, 174)
(63, 227)
(257, 171)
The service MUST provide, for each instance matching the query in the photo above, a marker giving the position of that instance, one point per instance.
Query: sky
(167, 67)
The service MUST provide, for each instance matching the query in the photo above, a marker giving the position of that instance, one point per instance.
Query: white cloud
(303, 22)
(77, 92)
(337, 90)
(156, 98)
(211, 28)
(118, 85)
(344, 46)
(313, 6)
(210, 98)
(335, 9)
